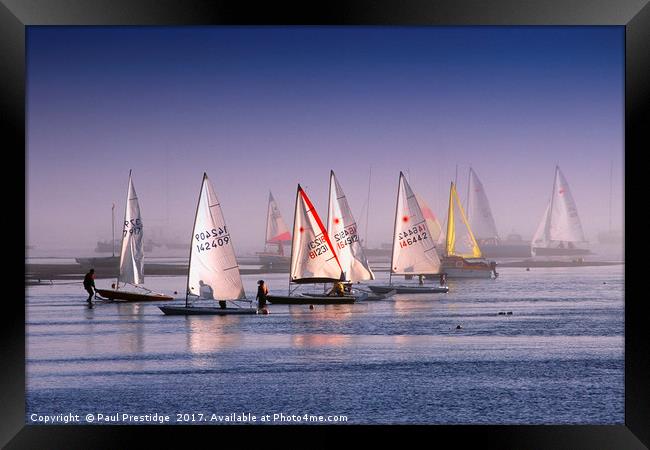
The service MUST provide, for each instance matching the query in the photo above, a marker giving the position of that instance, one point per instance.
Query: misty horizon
(266, 108)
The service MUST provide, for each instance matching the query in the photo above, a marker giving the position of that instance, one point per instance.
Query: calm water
(558, 359)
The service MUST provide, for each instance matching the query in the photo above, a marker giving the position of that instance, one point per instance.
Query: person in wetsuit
(89, 284)
(262, 292)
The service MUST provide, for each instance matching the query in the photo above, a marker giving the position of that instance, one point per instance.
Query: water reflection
(320, 340)
(130, 328)
(210, 333)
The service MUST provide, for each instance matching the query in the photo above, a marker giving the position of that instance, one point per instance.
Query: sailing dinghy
(277, 234)
(213, 272)
(414, 249)
(481, 221)
(560, 232)
(343, 233)
(131, 257)
(463, 258)
(313, 259)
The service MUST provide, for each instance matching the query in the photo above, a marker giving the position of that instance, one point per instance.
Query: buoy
(604, 282)
(501, 313)
(510, 313)
(458, 327)
(175, 292)
(311, 306)
(527, 269)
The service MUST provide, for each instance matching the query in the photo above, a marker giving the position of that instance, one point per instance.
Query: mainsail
(343, 234)
(132, 254)
(414, 250)
(479, 214)
(313, 259)
(212, 257)
(460, 240)
(277, 231)
(560, 222)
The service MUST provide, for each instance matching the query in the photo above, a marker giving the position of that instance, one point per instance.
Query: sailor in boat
(443, 278)
(206, 293)
(338, 289)
(262, 292)
(89, 284)
(421, 279)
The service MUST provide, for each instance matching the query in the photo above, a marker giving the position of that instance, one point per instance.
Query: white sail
(132, 254)
(561, 222)
(212, 257)
(479, 214)
(276, 230)
(432, 221)
(344, 236)
(312, 256)
(540, 238)
(414, 249)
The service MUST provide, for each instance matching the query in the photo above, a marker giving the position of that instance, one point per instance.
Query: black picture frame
(15, 15)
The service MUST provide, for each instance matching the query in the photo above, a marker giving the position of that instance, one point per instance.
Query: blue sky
(261, 108)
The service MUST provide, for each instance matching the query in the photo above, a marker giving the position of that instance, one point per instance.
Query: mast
(365, 233)
(117, 282)
(450, 220)
(611, 170)
(550, 209)
(189, 264)
(293, 238)
(113, 226)
(268, 214)
(392, 255)
(469, 179)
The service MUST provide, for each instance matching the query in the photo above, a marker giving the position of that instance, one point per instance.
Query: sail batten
(344, 236)
(413, 243)
(213, 272)
(132, 252)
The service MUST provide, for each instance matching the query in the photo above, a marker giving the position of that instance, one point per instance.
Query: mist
(262, 109)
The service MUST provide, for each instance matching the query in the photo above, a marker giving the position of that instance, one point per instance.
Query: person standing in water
(262, 292)
(89, 284)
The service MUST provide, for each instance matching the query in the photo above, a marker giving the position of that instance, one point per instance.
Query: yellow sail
(467, 239)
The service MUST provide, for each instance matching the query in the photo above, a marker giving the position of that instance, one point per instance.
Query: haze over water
(262, 108)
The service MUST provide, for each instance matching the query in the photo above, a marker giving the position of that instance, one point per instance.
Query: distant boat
(463, 257)
(481, 221)
(560, 232)
(277, 234)
(109, 247)
(414, 246)
(313, 259)
(131, 256)
(213, 272)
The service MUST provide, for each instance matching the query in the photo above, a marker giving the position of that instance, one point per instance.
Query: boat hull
(458, 267)
(409, 289)
(310, 300)
(542, 251)
(124, 296)
(204, 311)
(504, 250)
